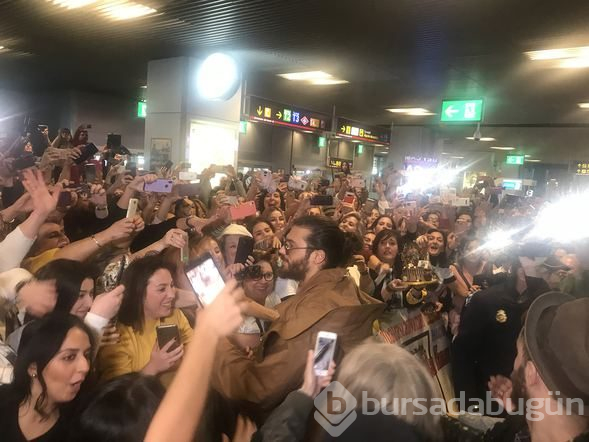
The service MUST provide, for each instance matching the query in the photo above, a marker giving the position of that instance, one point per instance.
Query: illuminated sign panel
(362, 132)
(337, 163)
(272, 112)
(582, 168)
(459, 111)
(141, 109)
(515, 159)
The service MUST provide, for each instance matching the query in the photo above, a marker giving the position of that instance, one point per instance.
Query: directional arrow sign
(279, 115)
(456, 111)
(450, 111)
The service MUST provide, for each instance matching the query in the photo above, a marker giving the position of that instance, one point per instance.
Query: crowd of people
(94, 267)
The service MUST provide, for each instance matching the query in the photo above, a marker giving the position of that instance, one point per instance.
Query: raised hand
(43, 201)
(107, 304)
(224, 315)
(313, 384)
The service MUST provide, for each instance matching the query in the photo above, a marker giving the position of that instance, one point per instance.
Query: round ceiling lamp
(217, 78)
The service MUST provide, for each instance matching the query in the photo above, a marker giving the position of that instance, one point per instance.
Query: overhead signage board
(461, 111)
(582, 168)
(338, 163)
(412, 162)
(362, 132)
(280, 114)
(515, 159)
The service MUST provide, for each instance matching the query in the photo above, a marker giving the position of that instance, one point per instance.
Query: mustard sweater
(133, 351)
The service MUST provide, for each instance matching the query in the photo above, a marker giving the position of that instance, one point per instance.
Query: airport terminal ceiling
(392, 54)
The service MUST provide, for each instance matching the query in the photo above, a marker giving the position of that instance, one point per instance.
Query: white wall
(173, 103)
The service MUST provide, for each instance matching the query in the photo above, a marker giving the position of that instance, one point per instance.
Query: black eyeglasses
(288, 247)
(267, 276)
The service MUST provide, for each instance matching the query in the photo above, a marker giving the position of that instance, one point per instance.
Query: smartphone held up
(324, 352)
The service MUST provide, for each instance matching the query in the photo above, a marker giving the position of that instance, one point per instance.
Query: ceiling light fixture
(482, 139)
(72, 4)
(124, 10)
(306, 76)
(533, 161)
(584, 105)
(568, 58)
(559, 54)
(217, 78)
(328, 82)
(406, 110)
(411, 111)
(502, 148)
(457, 157)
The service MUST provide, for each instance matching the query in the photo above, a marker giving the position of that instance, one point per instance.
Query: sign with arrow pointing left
(460, 111)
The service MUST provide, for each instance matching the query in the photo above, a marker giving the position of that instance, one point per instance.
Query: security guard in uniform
(489, 326)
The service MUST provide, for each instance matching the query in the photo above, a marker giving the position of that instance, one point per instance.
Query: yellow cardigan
(133, 351)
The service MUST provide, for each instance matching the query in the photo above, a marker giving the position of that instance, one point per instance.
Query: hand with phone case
(163, 359)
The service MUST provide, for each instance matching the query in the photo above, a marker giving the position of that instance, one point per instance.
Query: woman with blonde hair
(388, 372)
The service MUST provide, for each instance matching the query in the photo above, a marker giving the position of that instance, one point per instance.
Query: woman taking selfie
(50, 371)
(258, 284)
(148, 303)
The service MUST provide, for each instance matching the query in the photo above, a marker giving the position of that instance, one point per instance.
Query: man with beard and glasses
(314, 254)
(490, 323)
(547, 397)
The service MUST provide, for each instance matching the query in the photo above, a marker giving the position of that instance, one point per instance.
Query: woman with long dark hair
(385, 263)
(51, 368)
(148, 303)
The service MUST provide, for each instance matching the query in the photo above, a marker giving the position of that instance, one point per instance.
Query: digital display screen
(266, 111)
(362, 132)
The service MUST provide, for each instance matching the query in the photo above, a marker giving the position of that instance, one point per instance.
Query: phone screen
(324, 350)
(205, 279)
(245, 247)
(167, 332)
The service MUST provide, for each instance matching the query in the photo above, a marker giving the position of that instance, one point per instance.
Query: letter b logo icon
(335, 409)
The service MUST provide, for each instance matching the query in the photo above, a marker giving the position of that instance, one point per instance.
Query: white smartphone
(205, 279)
(132, 209)
(188, 176)
(324, 351)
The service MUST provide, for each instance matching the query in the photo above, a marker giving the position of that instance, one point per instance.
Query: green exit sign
(322, 141)
(141, 109)
(459, 111)
(514, 159)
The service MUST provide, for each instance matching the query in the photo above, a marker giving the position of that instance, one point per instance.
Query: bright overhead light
(218, 77)
(308, 131)
(527, 156)
(482, 139)
(406, 110)
(411, 111)
(574, 63)
(559, 54)
(143, 87)
(72, 4)
(533, 161)
(306, 76)
(124, 10)
(502, 148)
(457, 157)
(327, 81)
(584, 105)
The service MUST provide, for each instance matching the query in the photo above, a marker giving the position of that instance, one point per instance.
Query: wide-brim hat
(556, 335)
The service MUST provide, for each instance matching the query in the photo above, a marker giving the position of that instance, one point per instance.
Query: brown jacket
(330, 301)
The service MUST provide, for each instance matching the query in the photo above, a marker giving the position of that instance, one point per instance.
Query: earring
(34, 375)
